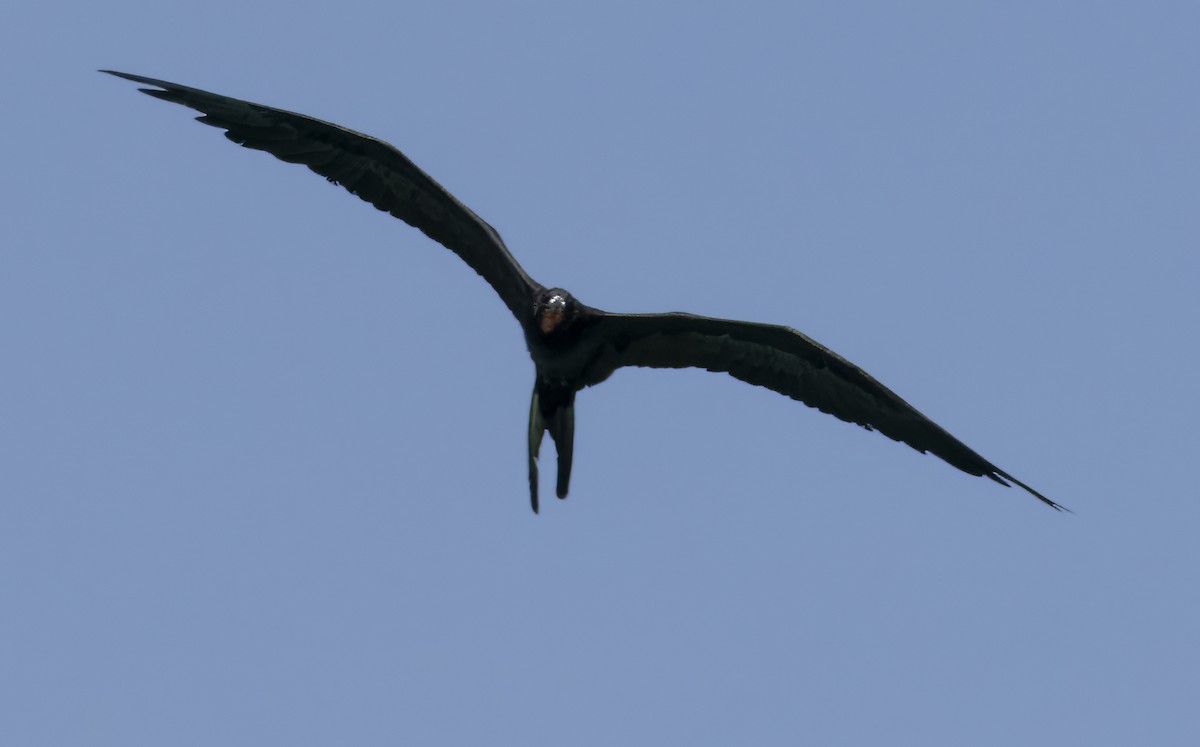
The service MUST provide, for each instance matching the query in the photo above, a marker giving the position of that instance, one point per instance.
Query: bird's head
(554, 310)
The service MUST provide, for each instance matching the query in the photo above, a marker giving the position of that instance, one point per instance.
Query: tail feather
(562, 430)
(552, 410)
(537, 428)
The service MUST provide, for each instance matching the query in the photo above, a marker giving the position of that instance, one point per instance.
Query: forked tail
(551, 409)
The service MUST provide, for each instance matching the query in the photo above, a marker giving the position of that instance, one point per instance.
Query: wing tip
(162, 89)
(1005, 479)
(126, 76)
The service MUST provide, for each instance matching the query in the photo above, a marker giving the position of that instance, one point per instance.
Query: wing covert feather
(786, 361)
(367, 167)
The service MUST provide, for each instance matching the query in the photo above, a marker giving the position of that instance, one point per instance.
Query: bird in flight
(574, 345)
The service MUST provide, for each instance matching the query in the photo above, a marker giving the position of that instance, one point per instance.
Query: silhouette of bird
(574, 345)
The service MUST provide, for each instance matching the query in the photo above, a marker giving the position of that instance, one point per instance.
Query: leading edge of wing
(786, 361)
(372, 169)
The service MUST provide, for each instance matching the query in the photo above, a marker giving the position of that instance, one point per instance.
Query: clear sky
(262, 453)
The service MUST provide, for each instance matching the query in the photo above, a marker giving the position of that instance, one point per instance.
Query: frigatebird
(574, 345)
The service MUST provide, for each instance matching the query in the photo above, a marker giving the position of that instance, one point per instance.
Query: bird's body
(573, 345)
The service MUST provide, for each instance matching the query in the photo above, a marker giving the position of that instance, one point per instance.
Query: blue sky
(263, 447)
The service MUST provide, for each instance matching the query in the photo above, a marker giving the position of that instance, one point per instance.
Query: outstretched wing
(367, 167)
(782, 359)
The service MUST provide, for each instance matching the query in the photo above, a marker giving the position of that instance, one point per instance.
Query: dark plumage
(573, 345)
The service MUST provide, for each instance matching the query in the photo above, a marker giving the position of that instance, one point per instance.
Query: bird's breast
(562, 359)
